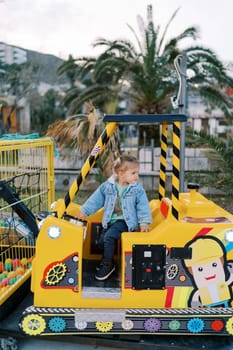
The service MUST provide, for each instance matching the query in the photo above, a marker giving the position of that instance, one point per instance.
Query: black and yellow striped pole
(87, 166)
(176, 169)
(163, 161)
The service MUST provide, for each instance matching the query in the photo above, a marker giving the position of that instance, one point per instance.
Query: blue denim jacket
(135, 205)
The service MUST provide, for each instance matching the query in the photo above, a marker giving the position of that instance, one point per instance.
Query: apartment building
(10, 54)
(211, 120)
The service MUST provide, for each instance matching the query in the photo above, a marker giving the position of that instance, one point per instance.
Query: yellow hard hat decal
(204, 250)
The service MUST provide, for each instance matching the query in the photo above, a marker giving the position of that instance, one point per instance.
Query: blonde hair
(121, 163)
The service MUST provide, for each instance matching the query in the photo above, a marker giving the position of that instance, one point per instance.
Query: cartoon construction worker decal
(211, 273)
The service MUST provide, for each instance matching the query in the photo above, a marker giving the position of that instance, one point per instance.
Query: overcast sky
(63, 27)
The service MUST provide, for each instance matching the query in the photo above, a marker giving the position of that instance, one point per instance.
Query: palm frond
(91, 93)
(217, 98)
(66, 66)
(140, 45)
(166, 30)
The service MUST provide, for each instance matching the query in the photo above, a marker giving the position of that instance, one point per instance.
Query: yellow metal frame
(25, 155)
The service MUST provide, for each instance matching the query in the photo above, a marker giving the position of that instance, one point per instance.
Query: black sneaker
(99, 266)
(105, 270)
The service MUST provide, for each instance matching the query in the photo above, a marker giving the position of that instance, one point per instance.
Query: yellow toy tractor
(175, 279)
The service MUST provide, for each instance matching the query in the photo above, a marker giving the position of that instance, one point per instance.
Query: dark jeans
(109, 236)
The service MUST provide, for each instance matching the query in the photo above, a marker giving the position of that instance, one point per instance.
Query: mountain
(47, 65)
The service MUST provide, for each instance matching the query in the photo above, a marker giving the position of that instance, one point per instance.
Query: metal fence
(26, 181)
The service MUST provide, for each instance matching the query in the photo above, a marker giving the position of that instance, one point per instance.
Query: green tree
(45, 110)
(18, 79)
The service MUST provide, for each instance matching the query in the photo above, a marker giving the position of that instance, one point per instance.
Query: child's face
(129, 176)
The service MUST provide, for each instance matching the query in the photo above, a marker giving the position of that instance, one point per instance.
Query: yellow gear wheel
(33, 324)
(104, 326)
(55, 274)
(229, 326)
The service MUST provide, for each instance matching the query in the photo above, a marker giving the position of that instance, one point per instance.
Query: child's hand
(80, 216)
(144, 228)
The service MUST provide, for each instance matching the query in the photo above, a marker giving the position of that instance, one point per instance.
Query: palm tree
(144, 74)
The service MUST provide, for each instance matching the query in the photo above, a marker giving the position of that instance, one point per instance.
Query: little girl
(126, 208)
